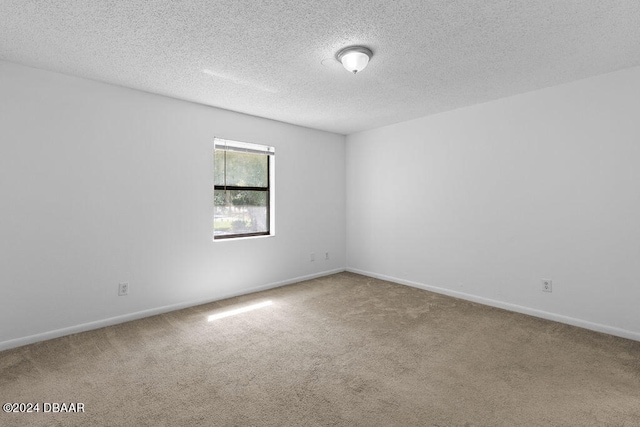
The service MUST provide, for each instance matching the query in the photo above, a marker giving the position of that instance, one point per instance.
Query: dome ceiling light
(355, 58)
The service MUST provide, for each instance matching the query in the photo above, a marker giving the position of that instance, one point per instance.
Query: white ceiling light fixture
(355, 58)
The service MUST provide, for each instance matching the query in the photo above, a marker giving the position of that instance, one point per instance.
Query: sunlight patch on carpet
(239, 310)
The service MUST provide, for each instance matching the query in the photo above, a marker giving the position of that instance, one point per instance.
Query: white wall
(484, 202)
(100, 184)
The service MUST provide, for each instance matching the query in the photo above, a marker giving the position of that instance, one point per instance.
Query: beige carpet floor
(343, 350)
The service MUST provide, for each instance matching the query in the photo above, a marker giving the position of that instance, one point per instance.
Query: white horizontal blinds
(242, 147)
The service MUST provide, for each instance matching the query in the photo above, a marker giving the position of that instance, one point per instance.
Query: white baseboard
(611, 330)
(18, 342)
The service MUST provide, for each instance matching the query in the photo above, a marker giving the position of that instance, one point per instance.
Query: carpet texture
(342, 350)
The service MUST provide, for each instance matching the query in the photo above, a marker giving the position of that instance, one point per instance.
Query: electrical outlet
(123, 289)
(312, 257)
(326, 256)
(547, 285)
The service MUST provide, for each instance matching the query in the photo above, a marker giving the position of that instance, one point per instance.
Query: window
(243, 189)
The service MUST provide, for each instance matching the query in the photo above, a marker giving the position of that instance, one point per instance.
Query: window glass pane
(218, 167)
(242, 169)
(239, 212)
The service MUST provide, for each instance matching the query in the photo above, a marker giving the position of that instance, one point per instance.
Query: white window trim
(248, 147)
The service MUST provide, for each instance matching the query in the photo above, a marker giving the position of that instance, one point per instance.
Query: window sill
(235, 239)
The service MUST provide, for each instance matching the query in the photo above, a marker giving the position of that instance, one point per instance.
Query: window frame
(225, 145)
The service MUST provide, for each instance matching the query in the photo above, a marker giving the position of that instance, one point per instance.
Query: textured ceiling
(275, 58)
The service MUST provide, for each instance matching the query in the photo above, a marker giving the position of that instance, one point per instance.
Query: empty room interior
(364, 213)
